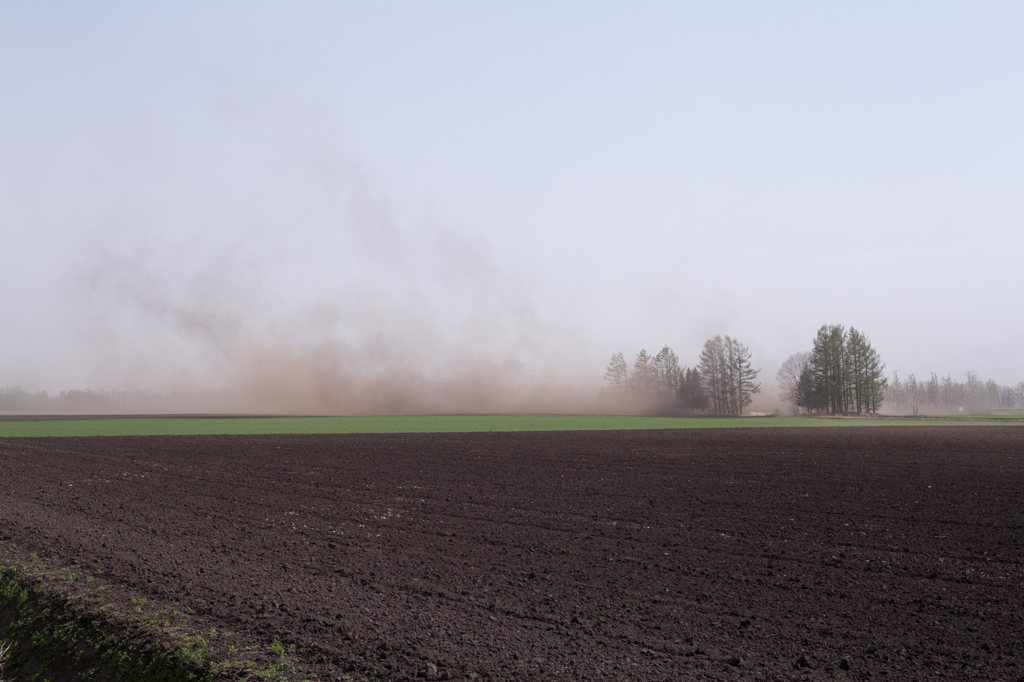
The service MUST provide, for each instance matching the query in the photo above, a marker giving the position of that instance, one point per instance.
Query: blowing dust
(335, 311)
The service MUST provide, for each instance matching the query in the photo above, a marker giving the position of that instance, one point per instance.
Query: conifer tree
(691, 397)
(617, 374)
(666, 374)
(727, 377)
(847, 372)
(643, 374)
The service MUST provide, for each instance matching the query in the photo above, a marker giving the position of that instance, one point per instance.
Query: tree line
(76, 401)
(841, 374)
(947, 395)
(723, 381)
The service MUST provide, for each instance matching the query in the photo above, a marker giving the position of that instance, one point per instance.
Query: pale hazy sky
(534, 184)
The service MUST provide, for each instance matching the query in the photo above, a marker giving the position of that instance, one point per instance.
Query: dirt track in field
(658, 555)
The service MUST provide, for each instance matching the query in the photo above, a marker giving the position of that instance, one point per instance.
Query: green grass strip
(425, 424)
(64, 622)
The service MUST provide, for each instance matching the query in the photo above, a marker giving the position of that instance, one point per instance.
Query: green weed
(59, 640)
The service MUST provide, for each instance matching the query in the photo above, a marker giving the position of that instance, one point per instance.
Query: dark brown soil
(847, 553)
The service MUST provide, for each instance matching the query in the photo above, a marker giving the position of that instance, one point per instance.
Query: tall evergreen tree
(855, 356)
(617, 374)
(666, 374)
(643, 374)
(691, 397)
(727, 378)
(829, 369)
(713, 375)
(805, 393)
(875, 382)
(743, 377)
(847, 372)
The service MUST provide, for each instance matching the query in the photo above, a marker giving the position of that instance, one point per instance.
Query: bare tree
(915, 392)
(950, 396)
(790, 377)
(974, 389)
(1007, 398)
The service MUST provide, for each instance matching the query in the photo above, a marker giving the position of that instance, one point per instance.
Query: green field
(204, 426)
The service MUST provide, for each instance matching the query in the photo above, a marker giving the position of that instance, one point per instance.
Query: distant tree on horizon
(915, 392)
(83, 401)
(842, 374)
(947, 395)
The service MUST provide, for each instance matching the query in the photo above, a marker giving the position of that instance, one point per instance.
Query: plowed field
(657, 555)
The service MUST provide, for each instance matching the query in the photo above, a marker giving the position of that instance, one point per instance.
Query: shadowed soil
(831, 553)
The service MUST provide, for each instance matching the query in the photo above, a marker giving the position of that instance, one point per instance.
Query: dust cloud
(336, 308)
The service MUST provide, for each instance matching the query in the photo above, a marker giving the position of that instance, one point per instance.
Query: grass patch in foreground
(422, 424)
(61, 621)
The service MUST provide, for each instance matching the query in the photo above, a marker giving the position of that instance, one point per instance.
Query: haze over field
(456, 207)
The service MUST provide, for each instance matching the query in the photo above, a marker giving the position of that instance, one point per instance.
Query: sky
(196, 194)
